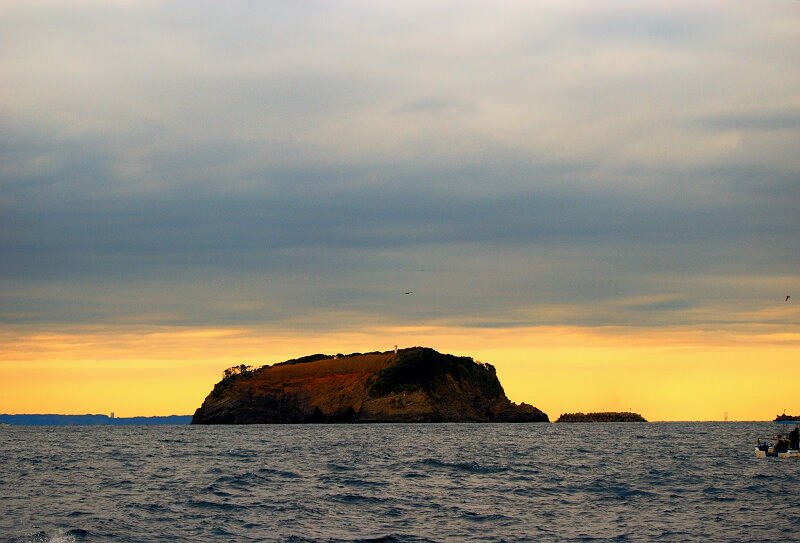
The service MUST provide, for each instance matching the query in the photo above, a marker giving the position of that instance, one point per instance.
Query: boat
(765, 446)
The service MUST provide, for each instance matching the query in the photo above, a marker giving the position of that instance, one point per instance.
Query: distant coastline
(91, 420)
(605, 416)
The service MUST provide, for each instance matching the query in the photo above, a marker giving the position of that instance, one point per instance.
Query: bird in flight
(787, 298)
(409, 292)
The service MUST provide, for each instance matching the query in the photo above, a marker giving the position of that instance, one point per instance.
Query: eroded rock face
(413, 385)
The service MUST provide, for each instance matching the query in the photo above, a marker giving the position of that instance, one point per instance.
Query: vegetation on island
(424, 369)
(784, 417)
(233, 371)
(606, 416)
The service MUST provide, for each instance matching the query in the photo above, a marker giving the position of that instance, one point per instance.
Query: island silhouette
(416, 384)
(602, 416)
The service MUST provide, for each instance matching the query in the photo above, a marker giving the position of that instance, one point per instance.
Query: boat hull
(791, 453)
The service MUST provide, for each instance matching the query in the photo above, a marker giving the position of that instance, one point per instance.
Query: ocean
(396, 483)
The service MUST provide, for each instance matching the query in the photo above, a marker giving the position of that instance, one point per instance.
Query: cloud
(205, 164)
(436, 105)
(780, 120)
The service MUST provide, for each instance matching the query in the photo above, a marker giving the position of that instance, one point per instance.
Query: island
(605, 416)
(90, 420)
(787, 418)
(417, 384)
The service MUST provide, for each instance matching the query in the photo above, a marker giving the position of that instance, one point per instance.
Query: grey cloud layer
(198, 163)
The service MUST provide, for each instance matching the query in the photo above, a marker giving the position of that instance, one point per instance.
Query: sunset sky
(602, 199)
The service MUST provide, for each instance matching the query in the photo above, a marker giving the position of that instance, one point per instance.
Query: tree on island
(241, 369)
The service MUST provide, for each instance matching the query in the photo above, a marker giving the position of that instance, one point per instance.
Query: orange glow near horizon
(664, 375)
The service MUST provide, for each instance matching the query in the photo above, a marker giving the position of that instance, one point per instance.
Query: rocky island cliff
(412, 385)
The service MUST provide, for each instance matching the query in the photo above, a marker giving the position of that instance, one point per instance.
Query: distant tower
(112, 414)
(395, 349)
(725, 416)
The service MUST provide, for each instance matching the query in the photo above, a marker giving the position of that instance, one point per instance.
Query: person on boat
(794, 438)
(781, 444)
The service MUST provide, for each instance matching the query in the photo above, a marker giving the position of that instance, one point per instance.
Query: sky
(599, 198)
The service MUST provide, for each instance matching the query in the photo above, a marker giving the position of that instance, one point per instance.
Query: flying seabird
(409, 292)
(787, 298)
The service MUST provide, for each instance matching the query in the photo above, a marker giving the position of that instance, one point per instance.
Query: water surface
(404, 483)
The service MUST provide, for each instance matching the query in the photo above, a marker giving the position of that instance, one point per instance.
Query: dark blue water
(447, 482)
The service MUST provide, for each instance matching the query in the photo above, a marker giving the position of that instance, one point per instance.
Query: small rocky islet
(417, 384)
(603, 416)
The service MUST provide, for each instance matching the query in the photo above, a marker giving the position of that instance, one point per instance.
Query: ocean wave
(122, 484)
(416, 475)
(469, 467)
(357, 498)
(241, 453)
(616, 491)
(220, 506)
(58, 536)
(279, 473)
(333, 466)
(717, 494)
(351, 481)
(481, 517)
(390, 539)
(241, 480)
(78, 533)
